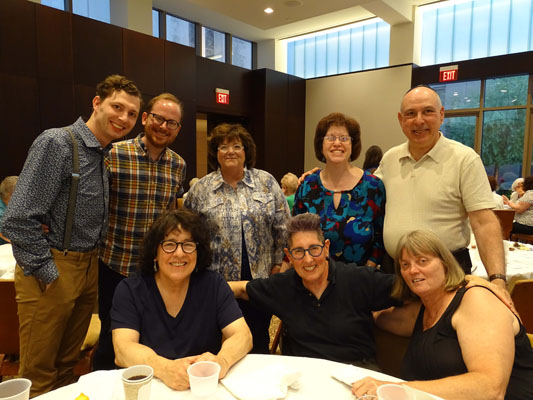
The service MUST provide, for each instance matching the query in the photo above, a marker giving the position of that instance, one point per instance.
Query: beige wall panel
(371, 97)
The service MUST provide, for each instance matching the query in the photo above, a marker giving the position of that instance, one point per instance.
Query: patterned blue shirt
(258, 206)
(355, 227)
(41, 197)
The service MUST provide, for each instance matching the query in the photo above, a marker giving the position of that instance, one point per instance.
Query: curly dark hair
(185, 220)
(117, 83)
(337, 119)
(528, 183)
(230, 132)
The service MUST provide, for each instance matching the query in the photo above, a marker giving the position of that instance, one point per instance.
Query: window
(241, 53)
(95, 9)
(495, 125)
(180, 31)
(466, 29)
(155, 23)
(59, 4)
(355, 47)
(213, 44)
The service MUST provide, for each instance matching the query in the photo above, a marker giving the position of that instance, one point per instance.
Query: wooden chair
(9, 336)
(276, 339)
(390, 349)
(506, 218)
(522, 237)
(9, 330)
(522, 296)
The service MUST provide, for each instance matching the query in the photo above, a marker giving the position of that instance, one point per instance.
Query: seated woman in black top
(466, 344)
(177, 313)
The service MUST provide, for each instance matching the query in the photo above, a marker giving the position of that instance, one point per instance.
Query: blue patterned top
(256, 206)
(355, 227)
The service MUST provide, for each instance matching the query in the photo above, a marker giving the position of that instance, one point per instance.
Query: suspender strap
(74, 180)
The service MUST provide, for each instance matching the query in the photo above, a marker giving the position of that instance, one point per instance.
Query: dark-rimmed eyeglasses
(171, 123)
(170, 246)
(342, 139)
(314, 251)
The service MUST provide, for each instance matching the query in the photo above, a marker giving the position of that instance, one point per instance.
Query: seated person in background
(326, 306)
(192, 182)
(373, 156)
(6, 190)
(498, 200)
(176, 312)
(289, 184)
(518, 189)
(524, 208)
(465, 343)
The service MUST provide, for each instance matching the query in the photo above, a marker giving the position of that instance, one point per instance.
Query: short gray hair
(305, 223)
(516, 182)
(7, 186)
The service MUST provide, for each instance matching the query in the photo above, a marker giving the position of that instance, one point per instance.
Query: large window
(467, 29)
(490, 116)
(180, 31)
(241, 53)
(355, 47)
(95, 9)
(213, 44)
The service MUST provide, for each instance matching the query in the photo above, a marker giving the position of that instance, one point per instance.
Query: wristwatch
(498, 276)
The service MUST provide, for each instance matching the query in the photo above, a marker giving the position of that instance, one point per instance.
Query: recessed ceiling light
(268, 10)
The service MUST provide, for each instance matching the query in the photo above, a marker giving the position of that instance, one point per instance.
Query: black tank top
(435, 354)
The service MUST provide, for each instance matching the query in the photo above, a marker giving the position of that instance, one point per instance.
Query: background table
(7, 262)
(315, 383)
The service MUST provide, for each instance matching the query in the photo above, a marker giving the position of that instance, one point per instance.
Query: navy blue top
(209, 307)
(355, 227)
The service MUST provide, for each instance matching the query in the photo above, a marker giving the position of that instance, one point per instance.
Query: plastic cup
(203, 377)
(137, 382)
(15, 389)
(395, 392)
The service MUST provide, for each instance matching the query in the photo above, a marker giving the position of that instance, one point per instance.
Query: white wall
(371, 97)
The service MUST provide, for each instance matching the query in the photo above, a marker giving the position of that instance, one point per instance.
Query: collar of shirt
(435, 153)
(87, 136)
(332, 273)
(140, 144)
(218, 179)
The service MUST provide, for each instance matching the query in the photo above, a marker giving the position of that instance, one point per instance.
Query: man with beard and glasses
(146, 177)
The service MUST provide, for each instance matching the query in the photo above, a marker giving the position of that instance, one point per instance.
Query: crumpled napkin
(348, 374)
(269, 383)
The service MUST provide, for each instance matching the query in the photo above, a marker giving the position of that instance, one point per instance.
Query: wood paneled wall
(51, 61)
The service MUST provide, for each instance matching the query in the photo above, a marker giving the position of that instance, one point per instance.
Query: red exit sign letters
(448, 73)
(222, 96)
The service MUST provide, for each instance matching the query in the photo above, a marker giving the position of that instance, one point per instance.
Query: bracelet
(498, 276)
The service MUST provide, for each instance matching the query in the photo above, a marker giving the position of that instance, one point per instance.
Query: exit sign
(448, 73)
(222, 96)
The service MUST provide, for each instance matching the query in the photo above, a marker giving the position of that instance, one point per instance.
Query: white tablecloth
(518, 260)
(7, 262)
(315, 383)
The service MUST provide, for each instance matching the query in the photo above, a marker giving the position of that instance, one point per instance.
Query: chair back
(522, 296)
(506, 218)
(9, 322)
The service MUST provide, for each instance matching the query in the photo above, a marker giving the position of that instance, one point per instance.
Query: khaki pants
(53, 324)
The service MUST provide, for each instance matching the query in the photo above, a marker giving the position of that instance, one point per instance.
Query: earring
(155, 265)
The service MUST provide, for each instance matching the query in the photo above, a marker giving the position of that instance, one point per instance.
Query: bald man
(439, 184)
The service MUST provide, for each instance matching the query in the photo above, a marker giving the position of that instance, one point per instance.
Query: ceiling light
(268, 10)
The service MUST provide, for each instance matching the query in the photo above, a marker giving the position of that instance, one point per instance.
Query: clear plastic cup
(203, 377)
(15, 389)
(395, 392)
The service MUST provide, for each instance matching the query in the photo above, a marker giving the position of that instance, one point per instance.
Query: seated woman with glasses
(350, 201)
(326, 306)
(176, 312)
(250, 212)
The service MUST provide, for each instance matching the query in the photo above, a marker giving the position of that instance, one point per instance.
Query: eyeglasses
(342, 139)
(170, 246)
(314, 251)
(236, 147)
(171, 123)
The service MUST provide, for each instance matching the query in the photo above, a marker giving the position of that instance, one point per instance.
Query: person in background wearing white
(524, 209)
(498, 200)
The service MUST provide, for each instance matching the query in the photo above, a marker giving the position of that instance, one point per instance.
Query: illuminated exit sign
(448, 73)
(222, 96)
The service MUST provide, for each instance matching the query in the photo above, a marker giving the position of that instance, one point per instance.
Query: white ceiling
(246, 19)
